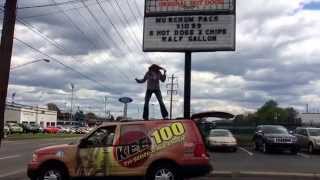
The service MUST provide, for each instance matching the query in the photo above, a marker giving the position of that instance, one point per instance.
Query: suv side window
(133, 134)
(103, 136)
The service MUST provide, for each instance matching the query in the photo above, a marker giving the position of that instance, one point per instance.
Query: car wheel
(234, 149)
(265, 148)
(163, 172)
(310, 148)
(52, 173)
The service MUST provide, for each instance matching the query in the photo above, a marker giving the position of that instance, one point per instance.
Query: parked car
(15, 128)
(31, 128)
(155, 149)
(6, 131)
(51, 130)
(221, 138)
(272, 137)
(308, 138)
(63, 129)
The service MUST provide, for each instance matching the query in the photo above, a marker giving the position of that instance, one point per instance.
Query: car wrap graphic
(132, 148)
(142, 145)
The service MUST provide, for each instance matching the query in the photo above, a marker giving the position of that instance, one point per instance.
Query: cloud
(276, 57)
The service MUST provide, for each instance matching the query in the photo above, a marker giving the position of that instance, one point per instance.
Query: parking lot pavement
(247, 160)
(14, 156)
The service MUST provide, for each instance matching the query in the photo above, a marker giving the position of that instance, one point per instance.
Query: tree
(91, 115)
(53, 107)
(79, 116)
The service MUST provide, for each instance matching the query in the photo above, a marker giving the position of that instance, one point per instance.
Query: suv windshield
(314, 132)
(220, 134)
(275, 130)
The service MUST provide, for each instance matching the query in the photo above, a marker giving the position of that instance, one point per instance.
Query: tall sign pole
(5, 56)
(187, 85)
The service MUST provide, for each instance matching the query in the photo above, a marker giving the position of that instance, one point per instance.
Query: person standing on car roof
(153, 76)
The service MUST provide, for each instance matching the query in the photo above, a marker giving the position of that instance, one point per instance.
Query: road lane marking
(10, 157)
(262, 174)
(248, 152)
(303, 155)
(12, 173)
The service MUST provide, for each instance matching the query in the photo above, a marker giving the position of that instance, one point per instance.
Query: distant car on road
(273, 137)
(31, 128)
(221, 138)
(6, 131)
(51, 130)
(15, 128)
(308, 138)
(63, 129)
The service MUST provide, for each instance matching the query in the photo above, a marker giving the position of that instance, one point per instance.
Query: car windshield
(219, 134)
(275, 130)
(314, 132)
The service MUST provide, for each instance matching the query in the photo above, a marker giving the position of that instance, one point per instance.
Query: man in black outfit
(153, 76)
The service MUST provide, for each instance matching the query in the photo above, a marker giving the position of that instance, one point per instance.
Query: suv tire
(165, 170)
(255, 146)
(265, 148)
(53, 172)
(310, 148)
(294, 151)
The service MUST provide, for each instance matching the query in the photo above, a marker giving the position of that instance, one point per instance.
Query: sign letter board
(189, 25)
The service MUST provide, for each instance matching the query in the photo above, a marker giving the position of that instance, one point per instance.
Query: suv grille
(283, 140)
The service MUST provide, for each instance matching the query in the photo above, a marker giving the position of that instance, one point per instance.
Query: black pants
(149, 93)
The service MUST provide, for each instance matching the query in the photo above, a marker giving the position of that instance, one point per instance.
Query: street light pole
(28, 63)
(71, 109)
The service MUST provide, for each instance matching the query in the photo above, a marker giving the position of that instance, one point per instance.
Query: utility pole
(71, 108)
(9, 21)
(105, 107)
(172, 91)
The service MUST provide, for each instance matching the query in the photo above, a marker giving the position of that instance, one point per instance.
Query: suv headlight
(318, 142)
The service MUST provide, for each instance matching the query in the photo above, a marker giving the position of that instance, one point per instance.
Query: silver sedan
(222, 139)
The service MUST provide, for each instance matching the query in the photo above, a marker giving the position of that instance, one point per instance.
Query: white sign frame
(160, 46)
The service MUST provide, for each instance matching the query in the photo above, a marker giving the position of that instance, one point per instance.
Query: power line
(32, 28)
(128, 24)
(104, 30)
(59, 62)
(54, 4)
(83, 34)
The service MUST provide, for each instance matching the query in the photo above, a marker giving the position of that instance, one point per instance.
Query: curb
(315, 176)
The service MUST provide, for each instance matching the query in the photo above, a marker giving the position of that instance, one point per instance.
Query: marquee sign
(189, 25)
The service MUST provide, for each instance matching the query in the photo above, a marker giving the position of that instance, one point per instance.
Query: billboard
(189, 25)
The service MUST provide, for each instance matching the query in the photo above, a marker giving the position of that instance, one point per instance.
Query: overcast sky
(277, 57)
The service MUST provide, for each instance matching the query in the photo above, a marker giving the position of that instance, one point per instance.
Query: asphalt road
(14, 157)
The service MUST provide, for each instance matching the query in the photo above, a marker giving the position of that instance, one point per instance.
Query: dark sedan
(271, 137)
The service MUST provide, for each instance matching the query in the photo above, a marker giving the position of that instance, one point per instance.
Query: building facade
(30, 115)
(310, 119)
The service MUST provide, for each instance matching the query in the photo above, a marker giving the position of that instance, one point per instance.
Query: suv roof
(140, 121)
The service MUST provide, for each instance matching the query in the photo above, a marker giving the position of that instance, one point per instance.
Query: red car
(51, 130)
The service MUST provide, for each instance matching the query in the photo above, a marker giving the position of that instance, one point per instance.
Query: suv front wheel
(52, 173)
(163, 171)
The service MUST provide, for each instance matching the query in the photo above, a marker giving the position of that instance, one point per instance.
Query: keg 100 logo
(140, 146)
